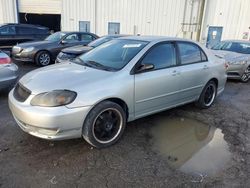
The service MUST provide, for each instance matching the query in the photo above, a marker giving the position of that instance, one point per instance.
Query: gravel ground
(26, 161)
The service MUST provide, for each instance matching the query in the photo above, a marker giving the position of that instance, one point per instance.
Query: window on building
(113, 28)
(161, 56)
(84, 26)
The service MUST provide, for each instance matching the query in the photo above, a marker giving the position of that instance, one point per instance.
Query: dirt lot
(192, 153)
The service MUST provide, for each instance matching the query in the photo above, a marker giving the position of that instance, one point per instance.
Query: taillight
(5, 60)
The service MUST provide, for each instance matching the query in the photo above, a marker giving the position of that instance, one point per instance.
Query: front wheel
(208, 95)
(104, 124)
(43, 58)
(246, 75)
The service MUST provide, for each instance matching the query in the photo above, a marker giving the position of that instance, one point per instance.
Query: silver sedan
(237, 55)
(95, 95)
(8, 72)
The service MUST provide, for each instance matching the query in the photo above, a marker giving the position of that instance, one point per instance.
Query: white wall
(147, 17)
(8, 13)
(40, 6)
(232, 15)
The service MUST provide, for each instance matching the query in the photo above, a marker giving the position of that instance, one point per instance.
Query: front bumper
(24, 57)
(51, 123)
(235, 71)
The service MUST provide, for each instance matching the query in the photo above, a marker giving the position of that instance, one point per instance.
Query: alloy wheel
(209, 95)
(107, 125)
(44, 59)
(246, 76)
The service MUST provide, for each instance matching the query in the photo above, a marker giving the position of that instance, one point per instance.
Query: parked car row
(99, 84)
(96, 94)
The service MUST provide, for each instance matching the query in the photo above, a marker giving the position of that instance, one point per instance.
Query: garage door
(40, 6)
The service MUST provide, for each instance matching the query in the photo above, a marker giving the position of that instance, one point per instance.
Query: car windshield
(239, 47)
(113, 55)
(56, 36)
(99, 41)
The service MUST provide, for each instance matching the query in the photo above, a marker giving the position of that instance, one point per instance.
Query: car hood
(231, 56)
(77, 50)
(69, 76)
(35, 43)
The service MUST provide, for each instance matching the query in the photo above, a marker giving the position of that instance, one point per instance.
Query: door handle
(175, 72)
(205, 67)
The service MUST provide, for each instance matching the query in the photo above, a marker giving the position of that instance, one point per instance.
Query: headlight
(29, 49)
(54, 98)
(238, 62)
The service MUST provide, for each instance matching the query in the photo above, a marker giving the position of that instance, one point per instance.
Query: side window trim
(133, 70)
(191, 43)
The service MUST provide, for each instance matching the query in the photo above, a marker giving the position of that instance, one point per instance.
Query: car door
(194, 70)
(156, 89)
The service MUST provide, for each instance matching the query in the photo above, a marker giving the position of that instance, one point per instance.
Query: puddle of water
(190, 146)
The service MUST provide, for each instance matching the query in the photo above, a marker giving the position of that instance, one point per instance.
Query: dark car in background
(12, 34)
(45, 52)
(72, 52)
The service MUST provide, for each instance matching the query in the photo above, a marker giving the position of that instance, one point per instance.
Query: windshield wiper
(79, 61)
(100, 66)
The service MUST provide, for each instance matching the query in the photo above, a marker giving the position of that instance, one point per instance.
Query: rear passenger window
(161, 56)
(190, 53)
(86, 37)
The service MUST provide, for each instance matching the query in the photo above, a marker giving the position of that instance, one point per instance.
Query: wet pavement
(182, 147)
(190, 146)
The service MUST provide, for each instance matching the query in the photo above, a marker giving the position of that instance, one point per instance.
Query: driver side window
(161, 56)
(72, 38)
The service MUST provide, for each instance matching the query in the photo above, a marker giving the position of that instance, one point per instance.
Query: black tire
(93, 132)
(207, 96)
(246, 76)
(43, 58)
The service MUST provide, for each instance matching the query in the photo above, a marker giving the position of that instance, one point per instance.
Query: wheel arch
(215, 80)
(116, 100)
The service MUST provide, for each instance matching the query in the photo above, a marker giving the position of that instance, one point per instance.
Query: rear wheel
(208, 95)
(43, 58)
(104, 124)
(246, 75)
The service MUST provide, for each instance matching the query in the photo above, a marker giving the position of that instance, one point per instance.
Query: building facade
(202, 20)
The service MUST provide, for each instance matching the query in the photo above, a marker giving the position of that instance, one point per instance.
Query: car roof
(239, 41)
(24, 25)
(116, 35)
(150, 38)
(78, 32)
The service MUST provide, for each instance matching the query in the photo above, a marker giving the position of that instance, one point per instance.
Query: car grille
(21, 93)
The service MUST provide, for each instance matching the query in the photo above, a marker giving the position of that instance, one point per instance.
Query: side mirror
(145, 67)
(64, 42)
